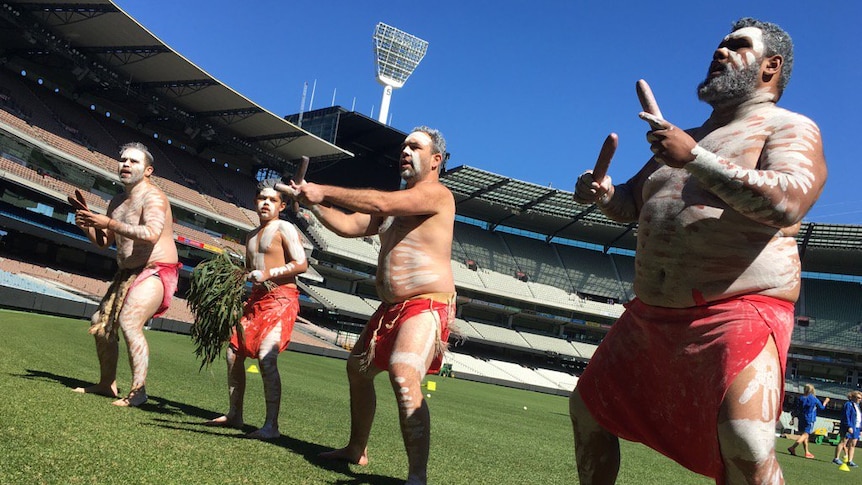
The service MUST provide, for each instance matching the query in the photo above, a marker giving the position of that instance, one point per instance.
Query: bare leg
(841, 447)
(271, 385)
(107, 351)
(851, 449)
(746, 421)
(597, 452)
(235, 390)
(141, 303)
(411, 356)
(803, 440)
(363, 405)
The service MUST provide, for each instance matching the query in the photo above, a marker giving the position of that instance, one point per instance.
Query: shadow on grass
(160, 405)
(154, 404)
(309, 451)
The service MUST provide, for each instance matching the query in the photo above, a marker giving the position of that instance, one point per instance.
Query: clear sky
(526, 89)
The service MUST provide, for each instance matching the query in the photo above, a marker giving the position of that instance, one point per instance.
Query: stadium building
(540, 278)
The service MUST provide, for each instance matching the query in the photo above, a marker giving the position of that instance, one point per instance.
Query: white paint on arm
(778, 194)
(155, 208)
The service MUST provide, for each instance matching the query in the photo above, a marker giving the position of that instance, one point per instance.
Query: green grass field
(481, 434)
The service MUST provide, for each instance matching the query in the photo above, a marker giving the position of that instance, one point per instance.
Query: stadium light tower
(397, 53)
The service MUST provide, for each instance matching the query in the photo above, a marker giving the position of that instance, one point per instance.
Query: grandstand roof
(500, 200)
(108, 58)
(376, 148)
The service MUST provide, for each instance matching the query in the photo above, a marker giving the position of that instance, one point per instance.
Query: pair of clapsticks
(649, 105)
(80, 204)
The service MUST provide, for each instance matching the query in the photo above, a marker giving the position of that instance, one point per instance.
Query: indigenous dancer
(717, 273)
(139, 221)
(274, 256)
(409, 331)
(807, 407)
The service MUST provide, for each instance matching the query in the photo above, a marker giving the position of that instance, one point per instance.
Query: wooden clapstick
(604, 160)
(298, 178)
(647, 99)
(79, 203)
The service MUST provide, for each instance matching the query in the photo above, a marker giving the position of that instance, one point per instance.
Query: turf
(481, 434)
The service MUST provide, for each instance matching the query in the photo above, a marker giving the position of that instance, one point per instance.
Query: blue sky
(527, 89)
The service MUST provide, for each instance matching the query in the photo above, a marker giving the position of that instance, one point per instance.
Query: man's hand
(671, 145)
(85, 219)
(257, 276)
(307, 194)
(588, 190)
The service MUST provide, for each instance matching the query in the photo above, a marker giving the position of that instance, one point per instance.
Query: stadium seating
(837, 308)
(590, 272)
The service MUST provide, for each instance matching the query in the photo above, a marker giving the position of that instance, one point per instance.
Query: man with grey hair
(409, 331)
(717, 273)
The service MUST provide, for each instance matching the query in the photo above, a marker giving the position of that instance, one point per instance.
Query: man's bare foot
(225, 422)
(345, 454)
(134, 399)
(264, 434)
(107, 391)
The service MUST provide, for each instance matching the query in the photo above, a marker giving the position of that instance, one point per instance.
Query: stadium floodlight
(397, 53)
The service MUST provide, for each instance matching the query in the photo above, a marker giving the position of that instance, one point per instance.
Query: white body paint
(740, 188)
(756, 36)
(767, 379)
(418, 361)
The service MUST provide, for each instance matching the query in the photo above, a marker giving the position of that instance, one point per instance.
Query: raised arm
(790, 177)
(370, 206)
(97, 236)
(621, 202)
(154, 212)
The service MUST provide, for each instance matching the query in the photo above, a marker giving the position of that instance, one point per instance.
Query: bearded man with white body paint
(407, 334)
(274, 257)
(717, 273)
(140, 222)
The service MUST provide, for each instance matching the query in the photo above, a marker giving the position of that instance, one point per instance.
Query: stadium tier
(540, 278)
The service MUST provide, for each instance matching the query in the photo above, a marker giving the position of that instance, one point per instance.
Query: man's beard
(729, 86)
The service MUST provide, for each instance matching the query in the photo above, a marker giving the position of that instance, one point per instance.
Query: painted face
(132, 167)
(268, 203)
(735, 68)
(415, 155)
(742, 47)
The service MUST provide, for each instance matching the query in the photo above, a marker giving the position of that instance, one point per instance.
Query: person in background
(807, 406)
(851, 422)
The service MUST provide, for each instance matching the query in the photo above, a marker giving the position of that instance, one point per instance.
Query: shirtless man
(717, 273)
(408, 333)
(274, 256)
(139, 221)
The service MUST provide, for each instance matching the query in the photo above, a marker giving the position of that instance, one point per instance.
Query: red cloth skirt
(262, 312)
(660, 375)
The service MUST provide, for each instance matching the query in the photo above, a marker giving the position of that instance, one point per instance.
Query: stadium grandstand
(540, 278)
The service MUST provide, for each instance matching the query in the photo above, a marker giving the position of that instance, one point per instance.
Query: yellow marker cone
(432, 386)
(844, 467)
(252, 369)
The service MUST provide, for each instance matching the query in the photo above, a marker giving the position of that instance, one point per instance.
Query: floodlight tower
(397, 53)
